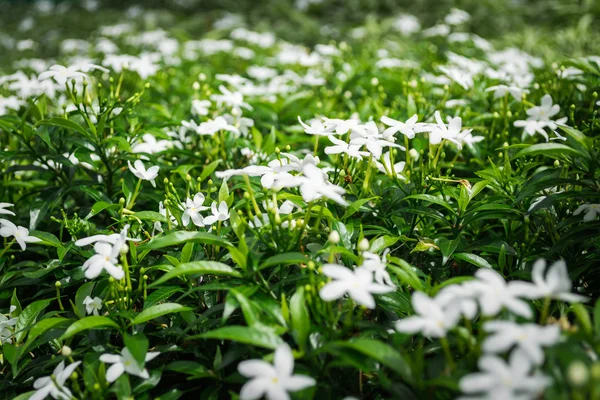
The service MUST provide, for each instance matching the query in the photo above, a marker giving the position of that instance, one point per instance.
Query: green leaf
(47, 239)
(597, 317)
(583, 317)
(198, 267)
(150, 216)
(41, 327)
(244, 334)
(180, 237)
(193, 368)
(87, 323)
(381, 352)
(382, 243)
(138, 347)
(447, 247)
(28, 317)
(161, 294)
(431, 199)
(473, 259)
(300, 318)
(158, 310)
(249, 314)
(63, 123)
(14, 302)
(355, 206)
(208, 170)
(99, 206)
(186, 252)
(284, 259)
(84, 291)
(223, 191)
(552, 150)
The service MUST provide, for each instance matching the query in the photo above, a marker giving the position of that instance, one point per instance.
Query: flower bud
(374, 81)
(310, 265)
(124, 249)
(578, 373)
(196, 86)
(363, 245)
(57, 284)
(556, 163)
(334, 237)
(66, 351)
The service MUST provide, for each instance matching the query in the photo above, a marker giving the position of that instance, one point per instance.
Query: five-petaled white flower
(432, 320)
(317, 127)
(529, 338)
(315, 185)
(61, 73)
(272, 381)
(589, 211)
(503, 90)
(193, 209)
(358, 284)
(494, 293)
(452, 132)
(218, 214)
(377, 265)
(125, 362)
(54, 385)
(342, 147)
(501, 380)
(92, 306)
(408, 128)
(20, 233)
(553, 283)
(140, 171)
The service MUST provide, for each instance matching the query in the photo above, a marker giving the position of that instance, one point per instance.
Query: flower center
(275, 379)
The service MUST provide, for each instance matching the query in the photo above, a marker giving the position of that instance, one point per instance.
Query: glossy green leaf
(158, 310)
(87, 323)
(198, 267)
(244, 334)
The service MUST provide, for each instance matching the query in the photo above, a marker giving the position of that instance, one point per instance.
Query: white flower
(358, 284)
(272, 381)
(342, 147)
(503, 90)
(369, 136)
(20, 233)
(7, 324)
(494, 293)
(529, 338)
(92, 306)
(500, 380)
(316, 128)
(589, 211)
(341, 126)
(218, 214)
(3, 209)
(125, 363)
(140, 171)
(544, 111)
(233, 99)
(192, 210)
(462, 297)
(457, 17)
(200, 107)
(251, 170)
(61, 73)
(470, 140)
(540, 117)
(440, 131)
(106, 258)
(110, 239)
(406, 128)
(432, 320)
(377, 265)
(553, 283)
(54, 385)
(315, 185)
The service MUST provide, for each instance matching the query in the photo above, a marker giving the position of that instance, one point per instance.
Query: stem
(7, 247)
(545, 310)
(135, 194)
(447, 353)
